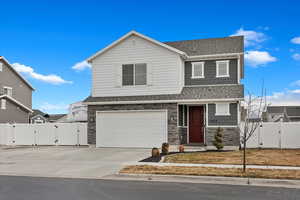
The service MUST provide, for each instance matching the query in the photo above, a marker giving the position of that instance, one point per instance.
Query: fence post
(259, 135)
(55, 135)
(280, 132)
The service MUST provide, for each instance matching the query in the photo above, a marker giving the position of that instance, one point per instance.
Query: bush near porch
(284, 157)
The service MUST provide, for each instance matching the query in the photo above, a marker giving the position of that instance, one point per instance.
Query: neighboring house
(77, 112)
(39, 117)
(57, 118)
(146, 92)
(286, 113)
(15, 95)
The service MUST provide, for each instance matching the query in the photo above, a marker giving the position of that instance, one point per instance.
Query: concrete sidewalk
(213, 165)
(283, 183)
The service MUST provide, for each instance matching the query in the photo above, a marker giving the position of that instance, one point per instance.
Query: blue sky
(45, 39)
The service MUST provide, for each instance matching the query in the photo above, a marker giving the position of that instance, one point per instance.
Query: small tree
(255, 107)
(218, 142)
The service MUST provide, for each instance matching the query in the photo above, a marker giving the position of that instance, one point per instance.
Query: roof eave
(27, 83)
(17, 102)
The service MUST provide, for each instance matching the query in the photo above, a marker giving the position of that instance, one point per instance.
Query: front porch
(198, 123)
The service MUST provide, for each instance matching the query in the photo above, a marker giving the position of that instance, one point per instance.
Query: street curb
(284, 183)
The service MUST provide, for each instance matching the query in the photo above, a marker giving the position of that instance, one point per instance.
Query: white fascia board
(90, 59)
(6, 61)
(17, 102)
(181, 101)
(214, 56)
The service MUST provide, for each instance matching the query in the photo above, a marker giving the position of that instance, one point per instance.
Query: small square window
(222, 68)
(198, 70)
(223, 109)
(7, 91)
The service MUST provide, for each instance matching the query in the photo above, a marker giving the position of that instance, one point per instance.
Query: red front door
(196, 124)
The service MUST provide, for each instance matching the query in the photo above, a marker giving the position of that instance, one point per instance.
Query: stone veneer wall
(183, 135)
(173, 132)
(231, 136)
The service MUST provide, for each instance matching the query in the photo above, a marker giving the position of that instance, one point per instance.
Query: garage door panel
(131, 128)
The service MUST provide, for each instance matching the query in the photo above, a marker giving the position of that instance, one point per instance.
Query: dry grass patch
(212, 171)
(286, 157)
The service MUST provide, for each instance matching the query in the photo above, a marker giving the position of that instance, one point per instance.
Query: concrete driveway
(71, 162)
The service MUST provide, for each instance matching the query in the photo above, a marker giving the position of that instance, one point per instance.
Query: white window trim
(3, 104)
(218, 113)
(193, 69)
(134, 85)
(9, 88)
(1, 66)
(217, 68)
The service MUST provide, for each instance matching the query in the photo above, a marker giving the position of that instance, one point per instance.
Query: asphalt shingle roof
(210, 46)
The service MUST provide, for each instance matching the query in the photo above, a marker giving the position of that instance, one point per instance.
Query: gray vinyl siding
(20, 90)
(210, 73)
(231, 120)
(13, 114)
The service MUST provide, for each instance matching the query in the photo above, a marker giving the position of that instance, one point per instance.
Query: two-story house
(146, 92)
(15, 95)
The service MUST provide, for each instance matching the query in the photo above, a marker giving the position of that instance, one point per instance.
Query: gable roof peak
(130, 33)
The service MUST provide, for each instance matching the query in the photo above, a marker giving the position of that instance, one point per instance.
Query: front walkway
(71, 162)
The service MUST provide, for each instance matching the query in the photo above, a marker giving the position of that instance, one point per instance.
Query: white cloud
(51, 78)
(81, 66)
(296, 83)
(258, 58)
(296, 40)
(296, 56)
(285, 98)
(53, 108)
(252, 38)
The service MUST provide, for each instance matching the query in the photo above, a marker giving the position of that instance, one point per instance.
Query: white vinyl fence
(43, 134)
(284, 135)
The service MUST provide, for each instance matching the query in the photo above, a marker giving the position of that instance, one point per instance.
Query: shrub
(165, 148)
(181, 148)
(218, 141)
(155, 152)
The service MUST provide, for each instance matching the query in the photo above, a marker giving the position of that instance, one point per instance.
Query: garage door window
(134, 74)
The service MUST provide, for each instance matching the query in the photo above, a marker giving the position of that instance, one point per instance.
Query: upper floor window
(222, 109)
(1, 67)
(7, 91)
(134, 74)
(222, 68)
(198, 70)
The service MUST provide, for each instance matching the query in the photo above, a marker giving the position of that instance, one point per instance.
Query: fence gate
(44, 134)
(276, 135)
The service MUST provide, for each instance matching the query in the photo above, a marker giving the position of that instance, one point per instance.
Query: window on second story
(222, 68)
(223, 109)
(198, 70)
(1, 66)
(134, 74)
(3, 104)
(7, 91)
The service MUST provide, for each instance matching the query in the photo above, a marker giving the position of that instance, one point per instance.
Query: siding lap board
(210, 74)
(231, 120)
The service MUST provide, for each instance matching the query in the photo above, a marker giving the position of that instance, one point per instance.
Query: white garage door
(131, 128)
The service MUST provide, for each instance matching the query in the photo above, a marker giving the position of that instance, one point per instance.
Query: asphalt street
(35, 188)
